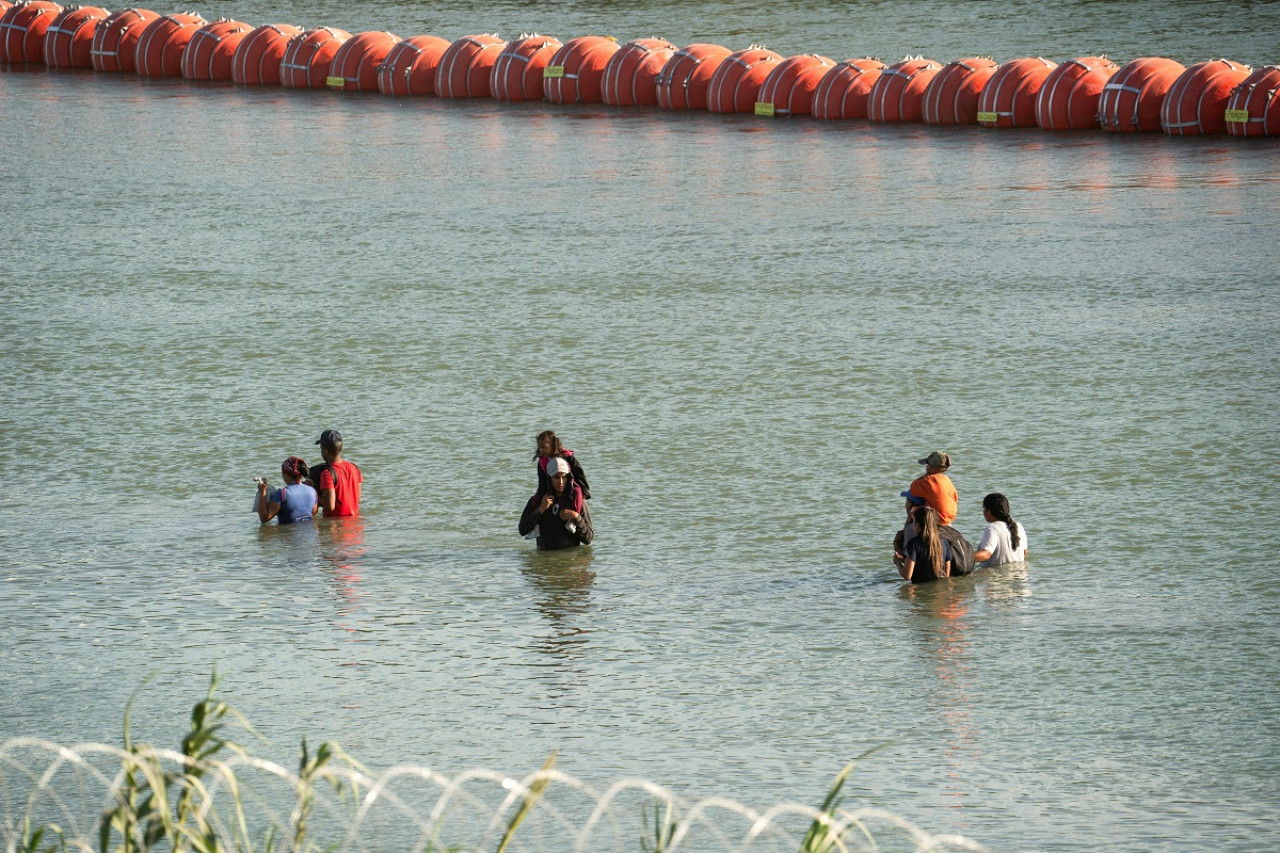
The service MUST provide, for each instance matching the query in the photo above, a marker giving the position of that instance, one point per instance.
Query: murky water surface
(749, 330)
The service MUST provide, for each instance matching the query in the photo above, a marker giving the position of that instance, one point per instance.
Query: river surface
(749, 330)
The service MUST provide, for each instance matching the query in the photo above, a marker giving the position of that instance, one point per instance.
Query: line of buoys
(1146, 95)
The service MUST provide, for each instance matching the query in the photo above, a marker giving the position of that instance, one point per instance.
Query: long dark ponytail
(998, 505)
(926, 521)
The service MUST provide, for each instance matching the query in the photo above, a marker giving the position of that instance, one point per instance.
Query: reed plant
(190, 801)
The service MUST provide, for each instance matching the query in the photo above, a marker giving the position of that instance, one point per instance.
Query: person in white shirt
(1004, 540)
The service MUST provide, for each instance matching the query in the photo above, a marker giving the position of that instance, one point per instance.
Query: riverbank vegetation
(212, 795)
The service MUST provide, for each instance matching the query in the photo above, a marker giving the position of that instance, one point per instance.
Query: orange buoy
(466, 66)
(629, 75)
(1132, 98)
(1009, 98)
(735, 87)
(115, 41)
(212, 49)
(355, 66)
(69, 39)
(843, 91)
(953, 93)
(789, 88)
(162, 43)
(22, 30)
(576, 71)
(1252, 108)
(4, 6)
(257, 58)
(1196, 103)
(1068, 100)
(682, 84)
(410, 67)
(308, 55)
(517, 73)
(898, 94)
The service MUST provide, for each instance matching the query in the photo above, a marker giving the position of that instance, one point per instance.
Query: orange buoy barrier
(212, 49)
(162, 43)
(843, 91)
(630, 74)
(4, 6)
(953, 93)
(22, 29)
(1132, 98)
(69, 40)
(355, 66)
(576, 71)
(115, 41)
(410, 67)
(517, 72)
(1069, 98)
(683, 82)
(1196, 103)
(256, 61)
(1252, 108)
(1009, 98)
(308, 55)
(466, 66)
(735, 87)
(898, 94)
(789, 88)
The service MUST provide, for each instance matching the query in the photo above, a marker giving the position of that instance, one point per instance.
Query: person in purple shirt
(293, 502)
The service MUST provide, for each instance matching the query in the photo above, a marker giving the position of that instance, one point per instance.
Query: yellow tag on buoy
(991, 117)
(1237, 115)
(553, 71)
(763, 108)
(336, 82)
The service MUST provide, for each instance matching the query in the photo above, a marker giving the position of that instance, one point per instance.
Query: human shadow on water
(1005, 586)
(289, 544)
(341, 550)
(940, 614)
(563, 582)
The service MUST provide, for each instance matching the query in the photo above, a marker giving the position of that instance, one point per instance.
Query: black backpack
(961, 550)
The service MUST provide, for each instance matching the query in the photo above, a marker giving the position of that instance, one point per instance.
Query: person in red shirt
(339, 482)
(935, 487)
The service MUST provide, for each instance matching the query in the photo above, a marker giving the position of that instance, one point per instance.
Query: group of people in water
(928, 547)
(332, 486)
(557, 516)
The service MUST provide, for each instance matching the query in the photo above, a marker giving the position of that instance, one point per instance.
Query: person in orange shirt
(936, 487)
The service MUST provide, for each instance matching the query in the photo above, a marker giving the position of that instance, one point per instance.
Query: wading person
(927, 556)
(294, 501)
(1004, 540)
(557, 516)
(338, 482)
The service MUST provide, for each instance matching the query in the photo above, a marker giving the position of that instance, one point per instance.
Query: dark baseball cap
(915, 499)
(330, 438)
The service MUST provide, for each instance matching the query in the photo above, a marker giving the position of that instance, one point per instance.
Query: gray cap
(937, 459)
